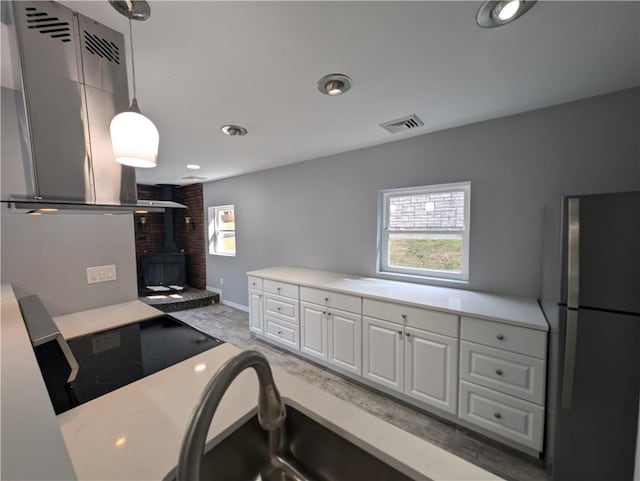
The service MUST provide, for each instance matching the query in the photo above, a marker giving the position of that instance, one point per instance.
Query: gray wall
(48, 255)
(322, 213)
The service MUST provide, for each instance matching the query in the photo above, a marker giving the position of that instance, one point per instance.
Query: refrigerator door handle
(573, 261)
(569, 363)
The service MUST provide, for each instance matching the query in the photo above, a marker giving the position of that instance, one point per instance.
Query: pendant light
(134, 138)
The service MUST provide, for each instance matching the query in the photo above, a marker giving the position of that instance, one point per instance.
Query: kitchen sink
(312, 449)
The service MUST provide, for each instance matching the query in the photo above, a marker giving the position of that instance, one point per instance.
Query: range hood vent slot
(101, 47)
(403, 124)
(48, 25)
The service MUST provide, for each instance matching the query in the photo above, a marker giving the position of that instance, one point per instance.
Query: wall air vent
(403, 124)
(193, 177)
(48, 25)
(101, 47)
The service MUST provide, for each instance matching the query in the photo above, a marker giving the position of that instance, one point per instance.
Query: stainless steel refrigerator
(591, 297)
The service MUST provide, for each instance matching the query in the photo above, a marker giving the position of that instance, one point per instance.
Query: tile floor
(232, 325)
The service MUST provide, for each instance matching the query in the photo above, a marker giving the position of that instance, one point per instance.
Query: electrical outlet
(221, 282)
(98, 274)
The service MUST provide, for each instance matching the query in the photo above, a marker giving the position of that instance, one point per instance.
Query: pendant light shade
(134, 139)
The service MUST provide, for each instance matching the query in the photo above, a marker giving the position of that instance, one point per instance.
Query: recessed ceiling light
(48, 209)
(233, 130)
(497, 13)
(193, 166)
(334, 84)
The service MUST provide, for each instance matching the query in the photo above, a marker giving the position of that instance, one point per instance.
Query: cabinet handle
(326, 299)
(400, 332)
(324, 312)
(278, 289)
(404, 317)
(500, 337)
(279, 308)
(279, 332)
(408, 334)
(253, 283)
(328, 313)
(497, 415)
(499, 372)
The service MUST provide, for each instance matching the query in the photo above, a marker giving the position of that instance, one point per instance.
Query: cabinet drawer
(505, 371)
(336, 300)
(505, 336)
(433, 321)
(281, 306)
(281, 332)
(510, 417)
(280, 288)
(254, 283)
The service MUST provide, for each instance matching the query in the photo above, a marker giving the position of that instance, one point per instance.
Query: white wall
(322, 213)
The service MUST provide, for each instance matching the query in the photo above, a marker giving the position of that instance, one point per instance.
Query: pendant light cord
(133, 64)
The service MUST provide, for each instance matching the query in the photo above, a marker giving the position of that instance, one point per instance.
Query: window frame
(214, 229)
(384, 233)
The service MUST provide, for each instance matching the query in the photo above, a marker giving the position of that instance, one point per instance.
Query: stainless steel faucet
(271, 410)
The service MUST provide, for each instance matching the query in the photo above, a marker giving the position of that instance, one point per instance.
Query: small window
(424, 231)
(222, 230)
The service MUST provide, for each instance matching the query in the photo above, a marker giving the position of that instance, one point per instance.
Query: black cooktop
(111, 359)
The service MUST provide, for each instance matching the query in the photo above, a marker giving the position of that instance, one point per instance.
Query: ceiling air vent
(48, 25)
(403, 124)
(101, 47)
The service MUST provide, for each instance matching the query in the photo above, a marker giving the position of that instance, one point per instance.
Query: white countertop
(519, 311)
(32, 445)
(102, 318)
(135, 433)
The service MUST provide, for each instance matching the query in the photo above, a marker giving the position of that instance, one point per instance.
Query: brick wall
(149, 238)
(439, 211)
(189, 239)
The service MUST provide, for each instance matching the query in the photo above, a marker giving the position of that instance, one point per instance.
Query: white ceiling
(203, 64)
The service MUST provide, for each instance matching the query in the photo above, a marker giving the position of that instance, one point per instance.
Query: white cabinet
(256, 318)
(282, 332)
(344, 336)
(502, 379)
(431, 367)
(313, 330)
(486, 373)
(508, 416)
(331, 335)
(420, 364)
(383, 352)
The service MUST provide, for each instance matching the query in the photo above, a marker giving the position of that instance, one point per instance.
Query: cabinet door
(313, 330)
(255, 311)
(383, 347)
(345, 340)
(431, 368)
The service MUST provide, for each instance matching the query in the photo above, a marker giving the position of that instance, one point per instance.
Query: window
(424, 231)
(222, 230)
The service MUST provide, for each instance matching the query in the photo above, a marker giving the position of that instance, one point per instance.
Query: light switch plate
(98, 274)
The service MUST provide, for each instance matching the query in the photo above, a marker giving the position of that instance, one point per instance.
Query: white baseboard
(228, 303)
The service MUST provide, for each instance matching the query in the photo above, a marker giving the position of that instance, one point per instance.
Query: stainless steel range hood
(72, 77)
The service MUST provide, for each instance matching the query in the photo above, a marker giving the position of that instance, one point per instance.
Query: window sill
(221, 254)
(397, 276)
